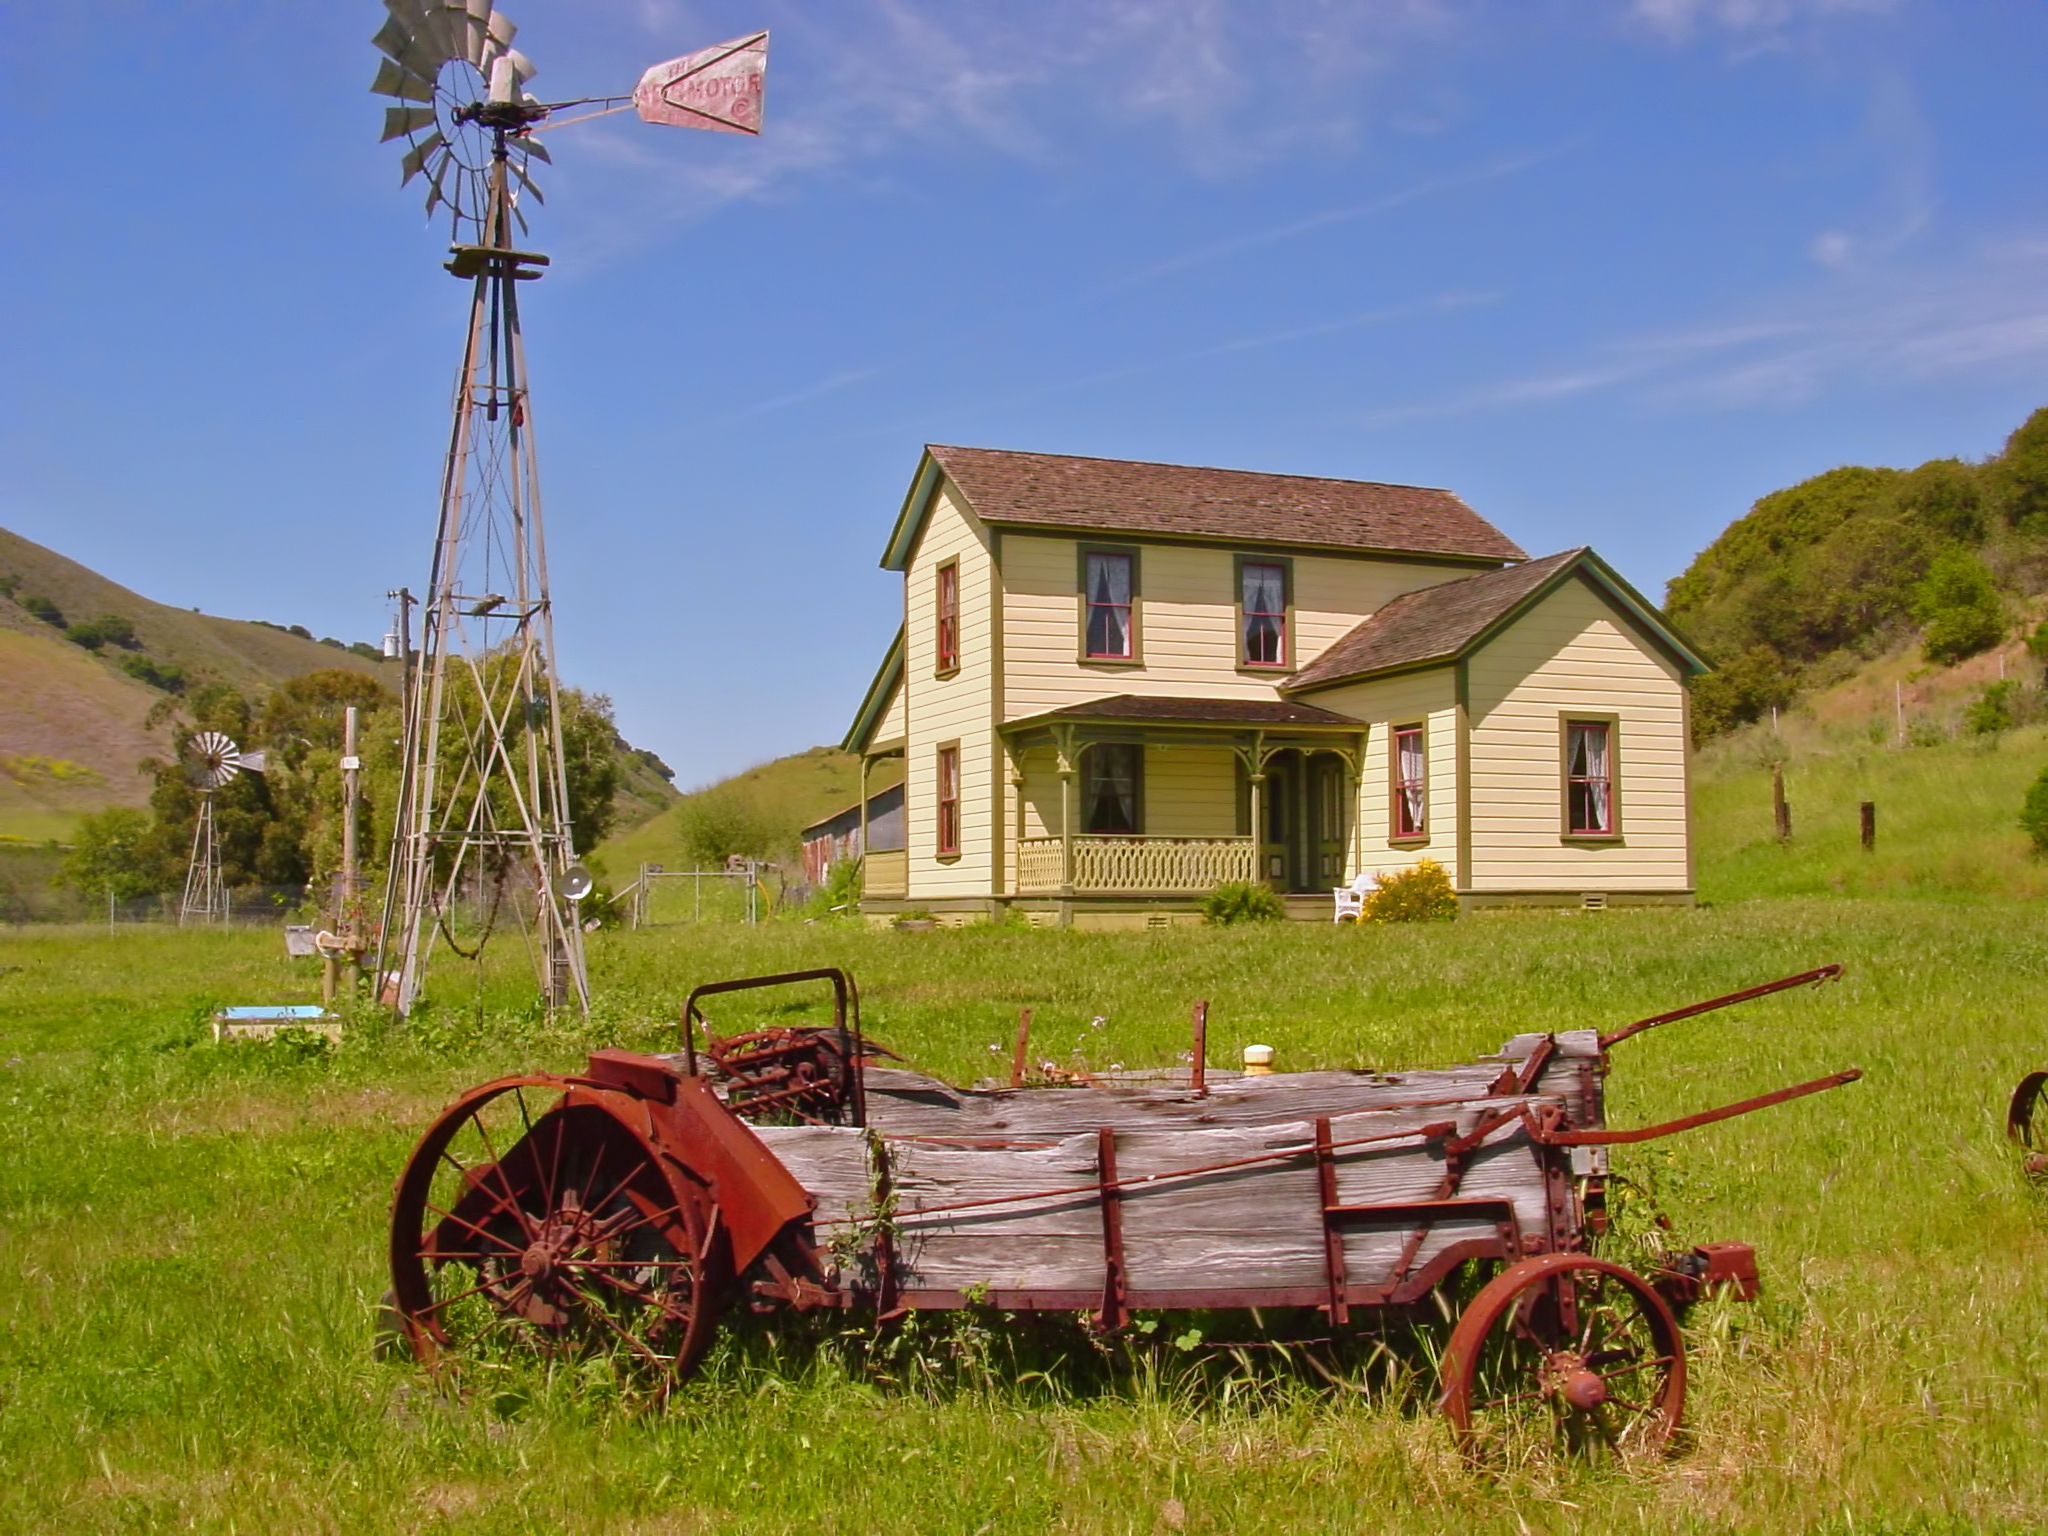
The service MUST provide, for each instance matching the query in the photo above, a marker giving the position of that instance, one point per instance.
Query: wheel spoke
(489, 1237)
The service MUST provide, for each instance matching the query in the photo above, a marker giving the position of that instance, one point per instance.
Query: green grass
(1947, 818)
(189, 1242)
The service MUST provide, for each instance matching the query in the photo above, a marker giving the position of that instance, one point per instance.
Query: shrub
(1242, 901)
(1993, 710)
(107, 629)
(43, 609)
(2034, 814)
(155, 673)
(1959, 606)
(1419, 895)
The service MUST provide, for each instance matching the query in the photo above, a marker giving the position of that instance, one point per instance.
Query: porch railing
(1146, 866)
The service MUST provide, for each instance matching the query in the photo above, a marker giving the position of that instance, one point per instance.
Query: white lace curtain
(1265, 608)
(1586, 767)
(1109, 605)
(1413, 780)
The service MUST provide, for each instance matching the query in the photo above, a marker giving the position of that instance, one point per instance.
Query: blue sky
(1609, 270)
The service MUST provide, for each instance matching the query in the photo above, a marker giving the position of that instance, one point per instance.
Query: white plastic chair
(1351, 898)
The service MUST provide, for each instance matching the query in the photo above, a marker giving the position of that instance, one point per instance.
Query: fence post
(1869, 814)
(1780, 811)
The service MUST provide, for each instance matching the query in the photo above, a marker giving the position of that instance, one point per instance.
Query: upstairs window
(1411, 783)
(1112, 780)
(1262, 600)
(1106, 593)
(948, 626)
(949, 800)
(1588, 778)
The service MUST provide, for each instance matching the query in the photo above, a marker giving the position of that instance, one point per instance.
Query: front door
(1302, 848)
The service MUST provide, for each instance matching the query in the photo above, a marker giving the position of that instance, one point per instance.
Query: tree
(2019, 475)
(109, 856)
(2034, 813)
(1960, 607)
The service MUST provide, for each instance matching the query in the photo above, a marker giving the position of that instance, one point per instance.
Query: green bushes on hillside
(2034, 813)
(1846, 564)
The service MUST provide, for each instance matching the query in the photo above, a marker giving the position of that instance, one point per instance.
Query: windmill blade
(415, 159)
(402, 121)
(413, 50)
(522, 66)
(527, 181)
(503, 29)
(717, 88)
(396, 80)
(255, 762)
(538, 150)
(469, 29)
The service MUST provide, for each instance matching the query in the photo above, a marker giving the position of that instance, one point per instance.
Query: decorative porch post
(865, 760)
(1016, 838)
(1063, 744)
(1257, 778)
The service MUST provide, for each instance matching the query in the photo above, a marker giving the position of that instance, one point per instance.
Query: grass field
(190, 1239)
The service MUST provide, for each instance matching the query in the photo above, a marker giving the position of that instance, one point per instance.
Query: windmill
(484, 795)
(212, 761)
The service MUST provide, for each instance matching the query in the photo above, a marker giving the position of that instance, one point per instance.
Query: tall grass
(190, 1236)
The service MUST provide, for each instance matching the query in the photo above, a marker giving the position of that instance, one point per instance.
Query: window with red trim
(1108, 595)
(1411, 783)
(949, 800)
(1588, 779)
(949, 617)
(1263, 590)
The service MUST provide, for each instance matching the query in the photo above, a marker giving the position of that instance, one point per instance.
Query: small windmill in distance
(483, 800)
(212, 761)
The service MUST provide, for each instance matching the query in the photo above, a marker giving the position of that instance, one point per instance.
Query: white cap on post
(1258, 1061)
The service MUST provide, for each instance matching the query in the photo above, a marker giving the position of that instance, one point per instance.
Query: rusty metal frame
(845, 1021)
(1805, 978)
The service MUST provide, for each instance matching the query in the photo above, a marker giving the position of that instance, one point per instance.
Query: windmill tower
(484, 797)
(212, 762)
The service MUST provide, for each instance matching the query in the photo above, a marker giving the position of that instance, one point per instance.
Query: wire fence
(663, 897)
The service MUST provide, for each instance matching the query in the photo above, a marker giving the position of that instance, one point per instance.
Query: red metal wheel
(1567, 1348)
(534, 1214)
(2019, 1114)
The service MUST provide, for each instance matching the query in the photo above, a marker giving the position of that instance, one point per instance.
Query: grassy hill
(75, 721)
(781, 796)
(1893, 732)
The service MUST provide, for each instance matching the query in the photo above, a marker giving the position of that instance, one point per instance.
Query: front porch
(1159, 801)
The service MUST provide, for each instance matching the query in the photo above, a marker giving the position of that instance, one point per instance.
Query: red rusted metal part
(1564, 1341)
(1686, 1277)
(1333, 1239)
(1020, 1056)
(1804, 978)
(758, 1199)
(574, 1231)
(809, 1073)
(1114, 1312)
(1198, 1061)
(2019, 1113)
(1544, 1128)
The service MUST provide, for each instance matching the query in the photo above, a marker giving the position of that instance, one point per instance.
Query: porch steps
(1314, 907)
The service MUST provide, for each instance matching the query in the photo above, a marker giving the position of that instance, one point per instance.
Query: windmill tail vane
(483, 815)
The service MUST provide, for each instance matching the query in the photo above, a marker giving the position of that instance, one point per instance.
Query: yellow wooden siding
(1431, 699)
(1187, 620)
(1571, 654)
(890, 726)
(1190, 791)
(959, 707)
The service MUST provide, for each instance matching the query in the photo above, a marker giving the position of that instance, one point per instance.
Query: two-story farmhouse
(1120, 684)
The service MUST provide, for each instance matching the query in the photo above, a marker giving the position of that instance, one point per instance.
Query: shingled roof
(1440, 623)
(1055, 491)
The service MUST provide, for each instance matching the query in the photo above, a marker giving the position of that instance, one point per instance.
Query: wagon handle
(1538, 1131)
(845, 1019)
(1615, 1037)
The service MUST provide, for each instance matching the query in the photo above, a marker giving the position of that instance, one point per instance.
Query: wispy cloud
(1983, 316)
(1261, 341)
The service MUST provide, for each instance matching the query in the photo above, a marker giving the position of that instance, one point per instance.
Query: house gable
(881, 706)
(1439, 624)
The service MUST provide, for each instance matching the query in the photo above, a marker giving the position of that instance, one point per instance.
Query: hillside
(76, 719)
(766, 805)
(1822, 576)
(1895, 732)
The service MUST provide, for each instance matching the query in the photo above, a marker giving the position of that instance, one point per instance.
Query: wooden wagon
(632, 1204)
